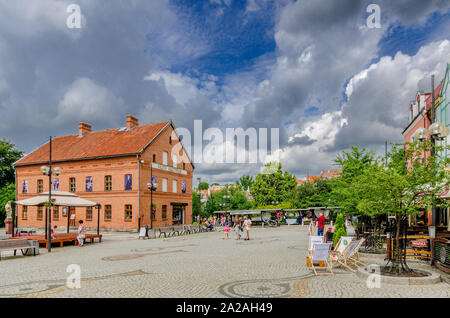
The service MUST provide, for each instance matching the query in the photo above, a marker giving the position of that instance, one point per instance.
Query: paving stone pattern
(271, 264)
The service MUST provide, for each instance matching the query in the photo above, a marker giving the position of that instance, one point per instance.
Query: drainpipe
(15, 211)
(139, 193)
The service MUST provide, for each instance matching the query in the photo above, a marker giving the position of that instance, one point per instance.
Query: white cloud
(86, 100)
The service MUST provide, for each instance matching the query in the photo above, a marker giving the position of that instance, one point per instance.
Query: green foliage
(313, 194)
(237, 201)
(273, 185)
(7, 193)
(400, 190)
(8, 155)
(353, 165)
(196, 204)
(282, 205)
(339, 228)
(245, 182)
(203, 186)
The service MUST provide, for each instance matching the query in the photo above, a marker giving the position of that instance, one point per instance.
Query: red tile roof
(312, 178)
(103, 143)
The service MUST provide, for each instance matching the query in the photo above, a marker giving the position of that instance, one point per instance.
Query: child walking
(226, 232)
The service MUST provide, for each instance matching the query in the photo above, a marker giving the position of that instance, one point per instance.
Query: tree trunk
(397, 254)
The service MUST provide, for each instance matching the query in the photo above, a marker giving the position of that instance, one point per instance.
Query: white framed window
(174, 186)
(164, 185)
(165, 158)
(175, 160)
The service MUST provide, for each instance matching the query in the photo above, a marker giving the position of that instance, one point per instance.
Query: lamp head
(439, 131)
(57, 171)
(422, 134)
(44, 170)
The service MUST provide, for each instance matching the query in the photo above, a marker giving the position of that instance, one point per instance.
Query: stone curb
(429, 280)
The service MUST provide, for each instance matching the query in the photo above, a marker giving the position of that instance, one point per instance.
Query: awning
(59, 198)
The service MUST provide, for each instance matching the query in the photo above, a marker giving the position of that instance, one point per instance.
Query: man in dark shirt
(320, 224)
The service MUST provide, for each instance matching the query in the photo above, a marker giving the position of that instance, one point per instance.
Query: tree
(312, 194)
(7, 193)
(8, 155)
(401, 190)
(196, 204)
(353, 165)
(237, 200)
(203, 186)
(272, 185)
(245, 182)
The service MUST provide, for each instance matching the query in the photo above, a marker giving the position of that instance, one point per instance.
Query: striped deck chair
(345, 259)
(340, 247)
(355, 257)
(321, 253)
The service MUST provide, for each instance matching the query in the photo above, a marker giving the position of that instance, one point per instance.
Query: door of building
(177, 215)
(72, 216)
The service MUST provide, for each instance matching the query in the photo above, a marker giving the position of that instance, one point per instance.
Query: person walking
(320, 224)
(300, 221)
(226, 232)
(237, 230)
(247, 226)
(81, 235)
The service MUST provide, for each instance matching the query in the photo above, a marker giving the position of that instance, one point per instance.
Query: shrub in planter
(339, 229)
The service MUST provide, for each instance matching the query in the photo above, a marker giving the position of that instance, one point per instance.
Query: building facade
(112, 168)
(442, 108)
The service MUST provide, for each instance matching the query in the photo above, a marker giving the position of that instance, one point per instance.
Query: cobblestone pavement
(272, 264)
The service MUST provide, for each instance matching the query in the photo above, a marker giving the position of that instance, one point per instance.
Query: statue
(8, 210)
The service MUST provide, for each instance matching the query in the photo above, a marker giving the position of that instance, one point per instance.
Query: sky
(311, 68)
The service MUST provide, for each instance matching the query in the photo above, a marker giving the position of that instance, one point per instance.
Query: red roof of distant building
(312, 178)
(103, 143)
(330, 173)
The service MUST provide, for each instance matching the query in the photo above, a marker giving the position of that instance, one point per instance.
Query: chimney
(84, 128)
(132, 121)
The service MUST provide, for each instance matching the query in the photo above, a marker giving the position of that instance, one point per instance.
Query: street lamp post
(152, 186)
(48, 171)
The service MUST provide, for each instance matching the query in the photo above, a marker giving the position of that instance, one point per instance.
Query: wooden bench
(166, 230)
(17, 244)
(61, 238)
(188, 229)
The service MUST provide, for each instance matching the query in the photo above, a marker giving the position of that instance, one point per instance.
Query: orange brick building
(112, 168)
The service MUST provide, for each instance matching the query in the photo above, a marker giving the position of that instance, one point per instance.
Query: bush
(339, 229)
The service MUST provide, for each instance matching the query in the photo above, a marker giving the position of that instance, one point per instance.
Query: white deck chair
(314, 240)
(321, 253)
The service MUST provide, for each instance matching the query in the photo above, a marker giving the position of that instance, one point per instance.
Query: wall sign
(56, 184)
(89, 184)
(128, 182)
(25, 186)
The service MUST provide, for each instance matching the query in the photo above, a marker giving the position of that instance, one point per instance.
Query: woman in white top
(247, 226)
